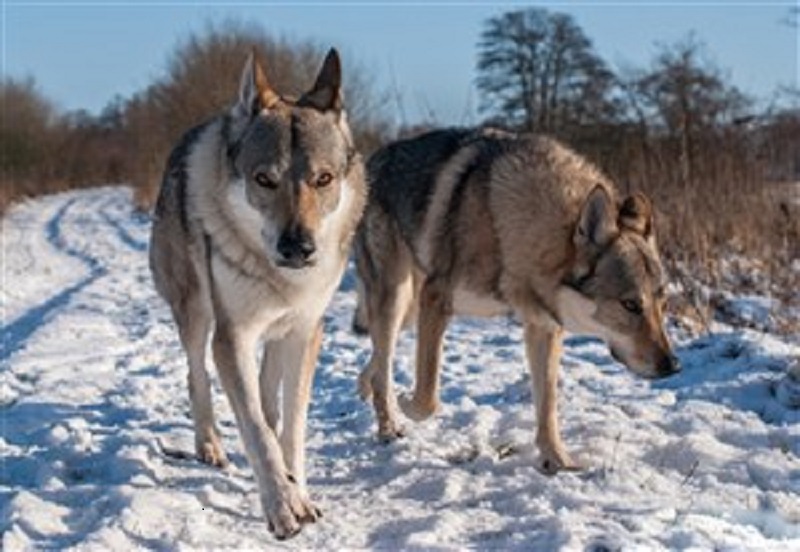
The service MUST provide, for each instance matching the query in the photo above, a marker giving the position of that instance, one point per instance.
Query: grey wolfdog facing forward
(483, 222)
(251, 236)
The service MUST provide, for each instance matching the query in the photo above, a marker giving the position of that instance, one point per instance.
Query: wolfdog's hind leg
(435, 309)
(194, 325)
(360, 322)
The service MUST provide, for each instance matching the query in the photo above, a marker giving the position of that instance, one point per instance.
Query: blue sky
(84, 53)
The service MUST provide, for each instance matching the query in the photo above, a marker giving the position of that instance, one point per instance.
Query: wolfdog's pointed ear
(255, 93)
(636, 213)
(597, 225)
(326, 93)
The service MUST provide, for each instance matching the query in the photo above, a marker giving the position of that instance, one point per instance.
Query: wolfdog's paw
(211, 452)
(287, 514)
(390, 431)
(417, 410)
(554, 460)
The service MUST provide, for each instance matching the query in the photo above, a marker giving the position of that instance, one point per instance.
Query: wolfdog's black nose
(296, 246)
(668, 365)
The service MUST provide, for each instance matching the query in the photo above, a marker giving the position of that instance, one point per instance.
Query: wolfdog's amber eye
(263, 180)
(632, 306)
(324, 179)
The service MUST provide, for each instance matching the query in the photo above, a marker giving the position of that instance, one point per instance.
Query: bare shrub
(202, 79)
(25, 137)
(46, 152)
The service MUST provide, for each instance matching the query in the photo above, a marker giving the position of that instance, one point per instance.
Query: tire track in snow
(18, 332)
(122, 232)
(72, 455)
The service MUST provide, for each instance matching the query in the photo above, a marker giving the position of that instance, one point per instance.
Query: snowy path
(93, 393)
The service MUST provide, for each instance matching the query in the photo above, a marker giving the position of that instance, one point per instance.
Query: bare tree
(537, 70)
(688, 96)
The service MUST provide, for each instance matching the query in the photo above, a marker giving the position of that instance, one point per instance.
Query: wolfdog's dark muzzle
(668, 366)
(296, 248)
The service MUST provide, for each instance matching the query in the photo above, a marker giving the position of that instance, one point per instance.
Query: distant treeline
(677, 129)
(45, 151)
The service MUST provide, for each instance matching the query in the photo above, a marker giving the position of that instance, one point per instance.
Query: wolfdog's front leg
(543, 349)
(297, 354)
(387, 307)
(284, 505)
(270, 380)
(194, 324)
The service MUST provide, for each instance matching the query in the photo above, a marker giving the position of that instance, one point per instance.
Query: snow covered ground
(93, 406)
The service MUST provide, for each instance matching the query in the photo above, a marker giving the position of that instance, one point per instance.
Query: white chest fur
(285, 298)
(270, 310)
